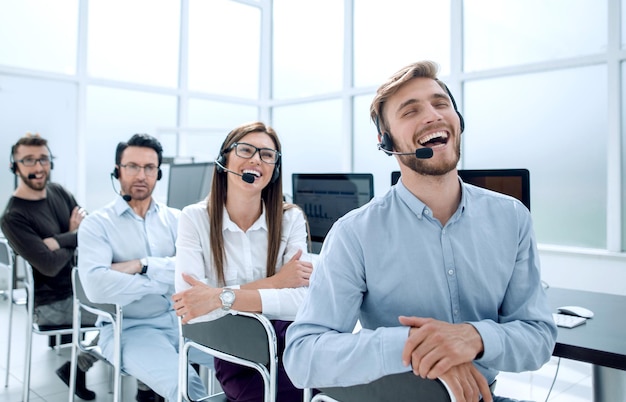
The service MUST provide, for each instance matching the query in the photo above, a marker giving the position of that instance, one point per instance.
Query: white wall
(590, 270)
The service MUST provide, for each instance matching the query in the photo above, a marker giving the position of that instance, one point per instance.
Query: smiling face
(421, 114)
(140, 185)
(261, 170)
(42, 173)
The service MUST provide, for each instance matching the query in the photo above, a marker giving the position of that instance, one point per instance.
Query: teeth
(254, 172)
(429, 137)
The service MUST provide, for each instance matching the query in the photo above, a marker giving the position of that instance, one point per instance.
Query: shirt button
(443, 231)
(451, 272)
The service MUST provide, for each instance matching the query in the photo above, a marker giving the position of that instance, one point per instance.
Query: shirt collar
(259, 224)
(120, 206)
(419, 208)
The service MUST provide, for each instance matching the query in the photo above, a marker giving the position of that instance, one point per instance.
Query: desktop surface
(602, 339)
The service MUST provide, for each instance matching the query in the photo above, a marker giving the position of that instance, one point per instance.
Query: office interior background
(541, 84)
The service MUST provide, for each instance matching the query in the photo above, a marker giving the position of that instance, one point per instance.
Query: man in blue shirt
(443, 276)
(126, 256)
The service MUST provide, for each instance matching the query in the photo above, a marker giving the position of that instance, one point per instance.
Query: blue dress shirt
(392, 258)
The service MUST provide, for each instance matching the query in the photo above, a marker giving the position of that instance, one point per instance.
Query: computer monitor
(513, 182)
(327, 197)
(188, 183)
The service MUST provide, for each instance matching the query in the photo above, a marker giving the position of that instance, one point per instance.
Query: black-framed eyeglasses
(43, 161)
(134, 169)
(247, 151)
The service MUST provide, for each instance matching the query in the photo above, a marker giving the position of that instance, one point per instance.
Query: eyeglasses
(43, 161)
(247, 151)
(133, 169)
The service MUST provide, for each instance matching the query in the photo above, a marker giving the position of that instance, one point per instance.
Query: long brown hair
(271, 195)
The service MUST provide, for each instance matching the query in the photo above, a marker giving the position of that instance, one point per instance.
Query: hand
(77, 216)
(467, 383)
(434, 347)
(294, 274)
(52, 243)
(198, 300)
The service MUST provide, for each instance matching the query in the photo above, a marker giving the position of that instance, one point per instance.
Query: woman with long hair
(240, 249)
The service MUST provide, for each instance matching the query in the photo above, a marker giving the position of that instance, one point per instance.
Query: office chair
(12, 294)
(243, 338)
(113, 313)
(34, 328)
(397, 387)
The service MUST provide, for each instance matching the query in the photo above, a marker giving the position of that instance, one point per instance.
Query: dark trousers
(243, 384)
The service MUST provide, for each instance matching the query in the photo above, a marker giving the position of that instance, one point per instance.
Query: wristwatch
(228, 298)
(144, 265)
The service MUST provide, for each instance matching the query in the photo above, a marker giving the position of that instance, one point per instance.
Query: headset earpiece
(461, 120)
(386, 143)
(159, 174)
(116, 173)
(220, 162)
(13, 167)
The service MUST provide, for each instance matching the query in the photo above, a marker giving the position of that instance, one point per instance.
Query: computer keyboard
(568, 321)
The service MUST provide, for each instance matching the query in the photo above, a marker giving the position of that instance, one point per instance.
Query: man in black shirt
(40, 222)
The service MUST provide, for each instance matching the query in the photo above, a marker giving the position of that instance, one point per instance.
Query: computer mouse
(576, 310)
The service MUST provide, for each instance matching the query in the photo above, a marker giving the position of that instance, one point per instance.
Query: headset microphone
(125, 197)
(420, 153)
(247, 177)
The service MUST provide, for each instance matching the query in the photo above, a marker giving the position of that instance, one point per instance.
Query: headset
(13, 163)
(116, 173)
(220, 164)
(386, 143)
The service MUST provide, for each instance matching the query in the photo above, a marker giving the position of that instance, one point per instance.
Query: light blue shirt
(116, 234)
(392, 258)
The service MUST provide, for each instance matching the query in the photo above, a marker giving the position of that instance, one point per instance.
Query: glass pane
(125, 45)
(224, 48)
(308, 47)
(393, 33)
(113, 115)
(39, 34)
(44, 107)
(367, 157)
(623, 153)
(623, 23)
(310, 144)
(538, 122)
(504, 33)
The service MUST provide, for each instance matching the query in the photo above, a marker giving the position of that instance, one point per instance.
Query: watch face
(227, 296)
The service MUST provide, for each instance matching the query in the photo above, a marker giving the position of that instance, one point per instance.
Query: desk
(601, 341)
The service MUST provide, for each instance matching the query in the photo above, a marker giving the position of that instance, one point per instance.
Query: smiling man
(127, 256)
(443, 276)
(40, 222)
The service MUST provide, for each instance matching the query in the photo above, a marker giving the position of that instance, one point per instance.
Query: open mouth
(434, 139)
(252, 172)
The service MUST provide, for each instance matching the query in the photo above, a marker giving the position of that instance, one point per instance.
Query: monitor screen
(327, 197)
(513, 182)
(188, 183)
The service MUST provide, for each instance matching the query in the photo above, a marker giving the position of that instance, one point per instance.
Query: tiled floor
(573, 383)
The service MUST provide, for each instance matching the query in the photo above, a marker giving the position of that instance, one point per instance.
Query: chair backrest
(79, 293)
(243, 335)
(397, 387)
(6, 253)
(246, 339)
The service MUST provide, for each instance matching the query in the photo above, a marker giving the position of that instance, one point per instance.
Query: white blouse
(246, 255)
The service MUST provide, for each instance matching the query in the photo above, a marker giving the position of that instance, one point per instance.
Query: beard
(427, 167)
(37, 186)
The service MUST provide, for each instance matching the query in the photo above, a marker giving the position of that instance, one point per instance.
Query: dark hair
(272, 196)
(139, 140)
(30, 140)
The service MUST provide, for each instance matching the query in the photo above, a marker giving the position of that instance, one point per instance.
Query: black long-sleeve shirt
(26, 223)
